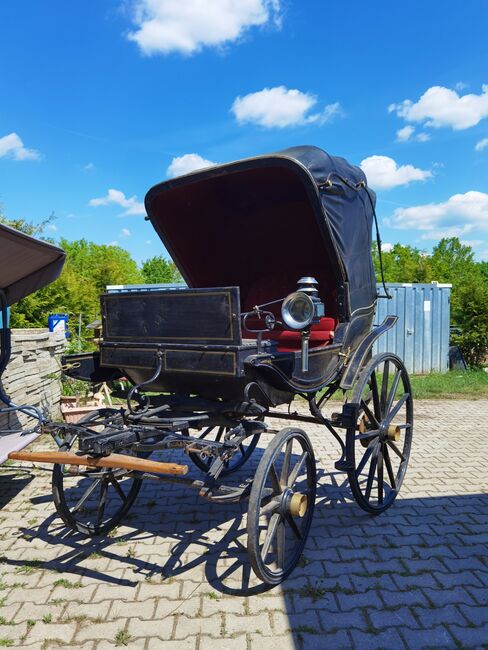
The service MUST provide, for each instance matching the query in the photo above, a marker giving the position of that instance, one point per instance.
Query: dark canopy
(26, 264)
(263, 222)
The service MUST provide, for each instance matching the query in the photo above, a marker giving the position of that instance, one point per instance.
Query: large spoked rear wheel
(281, 505)
(93, 501)
(241, 456)
(379, 447)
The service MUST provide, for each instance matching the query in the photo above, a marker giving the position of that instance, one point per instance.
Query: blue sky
(101, 99)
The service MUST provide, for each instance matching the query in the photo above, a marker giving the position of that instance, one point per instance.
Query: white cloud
(408, 133)
(459, 215)
(482, 144)
(403, 135)
(11, 146)
(281, 107)
(124, 233)
(113, 243)
(90, 167)
(383, 173)
(187, 26)
(187, 163)
(386, 247)
(440, 106)
(52, 227)
(148, 241)
(116, 197)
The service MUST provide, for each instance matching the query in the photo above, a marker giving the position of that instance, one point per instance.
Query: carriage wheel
(379, 447)
(234, 463)
(281, 505)
(93, 501)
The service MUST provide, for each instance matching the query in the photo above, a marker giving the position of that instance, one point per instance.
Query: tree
(452, 262)
(158, 270)
(88, 269)
(28, 227)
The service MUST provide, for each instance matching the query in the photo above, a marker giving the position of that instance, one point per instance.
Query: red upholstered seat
(290, 340)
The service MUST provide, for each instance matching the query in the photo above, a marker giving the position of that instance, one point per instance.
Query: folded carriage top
(263, 222)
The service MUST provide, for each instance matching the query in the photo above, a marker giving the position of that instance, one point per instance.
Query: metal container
(421, 335)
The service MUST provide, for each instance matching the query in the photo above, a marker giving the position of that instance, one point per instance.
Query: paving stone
(234, 643)
(474, 637)
(385, 639)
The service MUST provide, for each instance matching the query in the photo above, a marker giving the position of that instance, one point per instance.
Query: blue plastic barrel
(8, 317)
(58, 323)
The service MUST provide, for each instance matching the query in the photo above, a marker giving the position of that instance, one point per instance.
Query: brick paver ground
(176, 574)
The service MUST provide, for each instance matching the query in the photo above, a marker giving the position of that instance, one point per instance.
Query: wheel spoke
(393, 390)
(396, 408)
(242, 449)
(285, 470)
(384, 385)
(91, 489)
(396, 450)
(220, 434)
(372, 471)
(364, 460)
(369, 414)
(297, 469)
(270, 534)
(117, 487)
(281, 544)
(101, 503)
(369, 434)
(389, 467)
(275, 480)
(380, 475)
(297, 532)
(206, 432)
(376, 396)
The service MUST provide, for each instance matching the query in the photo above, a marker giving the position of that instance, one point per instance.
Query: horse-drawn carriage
(276, 253)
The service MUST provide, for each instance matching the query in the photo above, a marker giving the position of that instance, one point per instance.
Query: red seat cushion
(321, 334)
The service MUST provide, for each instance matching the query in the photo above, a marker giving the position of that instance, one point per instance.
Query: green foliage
(156, 270)
(88, 269)
(451, 262)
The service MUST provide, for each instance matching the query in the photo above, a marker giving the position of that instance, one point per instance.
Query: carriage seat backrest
(321, 334)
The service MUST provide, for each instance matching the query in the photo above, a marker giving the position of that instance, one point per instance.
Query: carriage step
(343, 465)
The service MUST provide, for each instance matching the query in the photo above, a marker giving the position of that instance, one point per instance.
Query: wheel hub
(294, 503)
(390, 432)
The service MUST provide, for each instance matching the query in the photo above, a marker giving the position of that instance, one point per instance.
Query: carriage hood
(262, 223)
(26, 264)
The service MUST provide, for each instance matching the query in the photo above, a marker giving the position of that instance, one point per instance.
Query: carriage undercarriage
(373, 429)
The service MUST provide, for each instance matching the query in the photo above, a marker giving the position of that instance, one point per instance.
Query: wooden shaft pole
(113, 461)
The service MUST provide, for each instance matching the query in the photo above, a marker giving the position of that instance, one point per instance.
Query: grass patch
(47, 618)
(62, 582)
(31, 567)
(470, 383)
(122, 638)
(6, 643)
(315, 593)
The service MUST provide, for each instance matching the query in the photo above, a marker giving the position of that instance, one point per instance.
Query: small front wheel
(281, 505)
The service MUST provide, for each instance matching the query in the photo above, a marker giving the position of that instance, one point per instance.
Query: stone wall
(33, 374)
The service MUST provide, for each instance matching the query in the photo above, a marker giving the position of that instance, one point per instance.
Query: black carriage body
(242, 234)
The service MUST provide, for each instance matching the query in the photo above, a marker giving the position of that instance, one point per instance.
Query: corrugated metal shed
(421, 335)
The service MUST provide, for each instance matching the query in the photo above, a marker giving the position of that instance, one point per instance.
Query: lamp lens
(297, 310)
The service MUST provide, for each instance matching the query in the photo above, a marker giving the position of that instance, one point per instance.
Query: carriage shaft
(112, 461)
